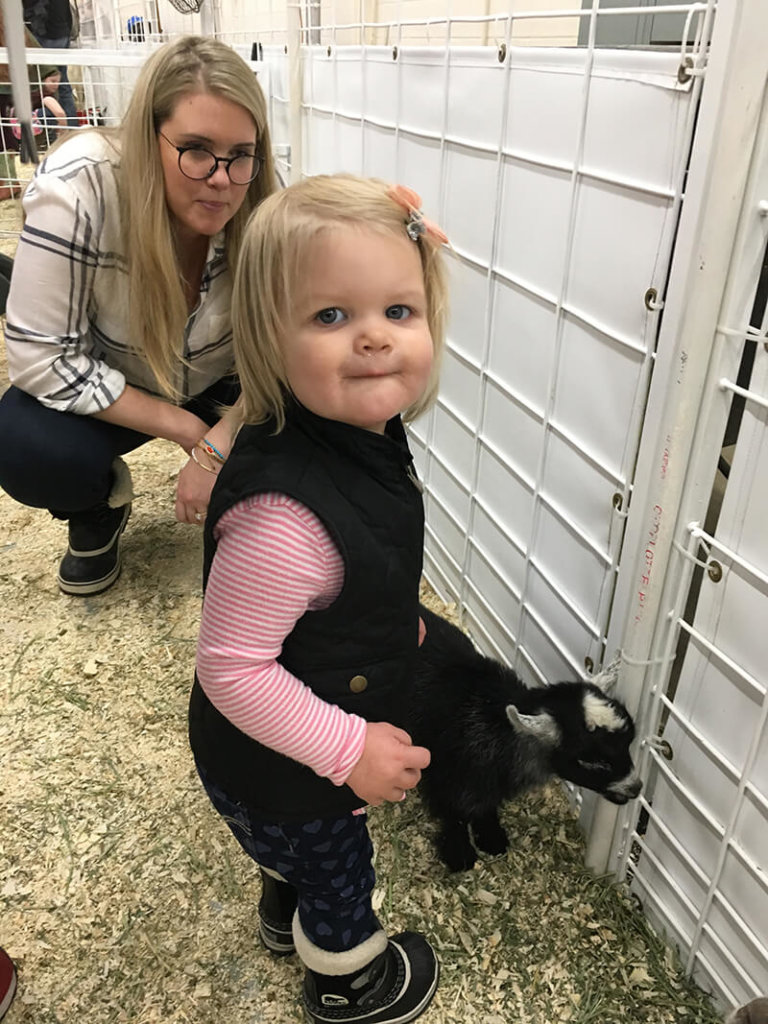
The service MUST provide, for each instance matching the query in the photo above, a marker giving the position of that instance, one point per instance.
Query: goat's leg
(454, 846)
(488, 834)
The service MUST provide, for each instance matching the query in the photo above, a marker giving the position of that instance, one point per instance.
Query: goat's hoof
(457, 858)
(460, 863)
(493, 842)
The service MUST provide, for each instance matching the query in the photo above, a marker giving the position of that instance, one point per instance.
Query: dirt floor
(123, 898)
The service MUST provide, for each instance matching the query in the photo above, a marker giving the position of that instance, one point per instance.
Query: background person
(50, 114)
(50, 22)
(118, 321)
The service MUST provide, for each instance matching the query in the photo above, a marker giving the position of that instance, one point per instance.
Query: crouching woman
(118, 317)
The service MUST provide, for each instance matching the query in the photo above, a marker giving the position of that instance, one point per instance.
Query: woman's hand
(193, 493)
(388, 766)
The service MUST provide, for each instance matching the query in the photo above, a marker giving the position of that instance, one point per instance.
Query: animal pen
(596, 467)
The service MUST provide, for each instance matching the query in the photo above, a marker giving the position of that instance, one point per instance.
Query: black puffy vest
(359, 652)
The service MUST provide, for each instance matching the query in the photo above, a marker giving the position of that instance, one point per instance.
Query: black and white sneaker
(395, 987)
(92, 561)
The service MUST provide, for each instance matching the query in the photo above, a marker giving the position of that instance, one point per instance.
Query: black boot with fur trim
(276, 909)
(92, 562)
(381, 981)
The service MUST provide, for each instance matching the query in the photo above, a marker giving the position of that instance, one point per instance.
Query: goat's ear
(542, 726)
(607, 679)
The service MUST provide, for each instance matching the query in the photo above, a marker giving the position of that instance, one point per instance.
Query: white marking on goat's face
(599, 714)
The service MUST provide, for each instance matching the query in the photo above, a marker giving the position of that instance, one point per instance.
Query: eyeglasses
(198, 163)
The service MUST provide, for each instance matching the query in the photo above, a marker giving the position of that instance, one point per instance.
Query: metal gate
(693, 584)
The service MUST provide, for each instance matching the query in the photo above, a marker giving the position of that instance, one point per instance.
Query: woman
(118, 318)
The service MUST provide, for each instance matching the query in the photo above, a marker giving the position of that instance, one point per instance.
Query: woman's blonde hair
(273, 260)
(191, 64)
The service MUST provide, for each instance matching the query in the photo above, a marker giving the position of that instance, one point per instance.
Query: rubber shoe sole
(84, 573)
(277, 940)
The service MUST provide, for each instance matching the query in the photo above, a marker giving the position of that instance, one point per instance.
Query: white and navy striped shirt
(68, 319)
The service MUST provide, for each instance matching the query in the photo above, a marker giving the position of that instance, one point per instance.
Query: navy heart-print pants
(329, 861)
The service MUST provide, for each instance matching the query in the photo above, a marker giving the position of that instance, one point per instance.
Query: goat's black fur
(491, 738)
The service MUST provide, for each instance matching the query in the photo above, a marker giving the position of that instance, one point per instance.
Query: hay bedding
(124, 900)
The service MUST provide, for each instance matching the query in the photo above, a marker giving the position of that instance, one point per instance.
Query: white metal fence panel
(556, 174)
(701, 868)
(694, 580)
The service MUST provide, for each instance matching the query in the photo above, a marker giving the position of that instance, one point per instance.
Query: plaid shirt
(68, 321)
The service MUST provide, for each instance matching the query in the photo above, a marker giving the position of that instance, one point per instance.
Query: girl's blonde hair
(273, 260)
(191, 64)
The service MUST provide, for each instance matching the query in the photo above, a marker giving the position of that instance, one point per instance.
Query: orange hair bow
(417, 224)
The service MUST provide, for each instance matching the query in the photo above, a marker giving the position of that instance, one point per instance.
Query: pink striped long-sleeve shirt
(274, 561)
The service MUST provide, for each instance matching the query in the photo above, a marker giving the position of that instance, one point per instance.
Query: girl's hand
(388, 766)
(193, 492)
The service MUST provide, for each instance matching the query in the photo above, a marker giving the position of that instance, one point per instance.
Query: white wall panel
(618, 234)
(584, 505)
(460, 386)
(505, 495)
(419, 164)
(522, 345)
(556, 88)
(533, 219)
(475, 103)
(468, 218)
(596, 384)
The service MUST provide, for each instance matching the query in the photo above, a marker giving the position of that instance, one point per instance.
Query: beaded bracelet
(210, 449)
(202, 465)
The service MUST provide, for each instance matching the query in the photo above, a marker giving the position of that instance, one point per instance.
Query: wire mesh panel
(695, 843)
(560, 204)
(701, 869)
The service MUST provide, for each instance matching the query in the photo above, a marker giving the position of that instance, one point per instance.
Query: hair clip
(417, 224)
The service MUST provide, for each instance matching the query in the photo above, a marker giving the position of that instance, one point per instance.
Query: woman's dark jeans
(62, 461)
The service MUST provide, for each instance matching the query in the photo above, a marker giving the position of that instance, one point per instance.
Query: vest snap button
(357, 684)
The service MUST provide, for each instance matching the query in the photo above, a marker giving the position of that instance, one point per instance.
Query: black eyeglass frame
(226, 160)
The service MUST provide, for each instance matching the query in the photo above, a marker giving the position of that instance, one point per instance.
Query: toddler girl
(313, 552)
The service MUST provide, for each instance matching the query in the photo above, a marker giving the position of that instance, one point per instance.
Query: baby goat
(492, 738)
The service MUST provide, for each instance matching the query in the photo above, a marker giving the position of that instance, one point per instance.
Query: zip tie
(681, 550)
(660, 746)
(644, 662)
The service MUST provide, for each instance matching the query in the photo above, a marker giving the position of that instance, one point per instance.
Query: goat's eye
(593, 766)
